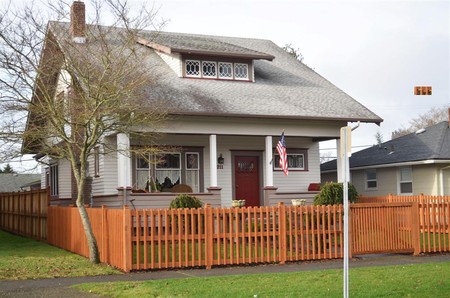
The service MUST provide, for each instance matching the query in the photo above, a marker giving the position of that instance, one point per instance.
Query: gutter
(400, 164)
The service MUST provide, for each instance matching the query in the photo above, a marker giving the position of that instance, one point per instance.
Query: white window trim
(370, 180)
(399, 177)
(234, 72)
(199, 65)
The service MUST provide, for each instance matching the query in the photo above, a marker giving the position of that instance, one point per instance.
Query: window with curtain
(168, 170)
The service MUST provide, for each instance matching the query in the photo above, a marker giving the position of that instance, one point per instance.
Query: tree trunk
(94, 255)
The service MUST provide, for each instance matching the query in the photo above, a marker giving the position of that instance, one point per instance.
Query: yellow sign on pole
(346, 141)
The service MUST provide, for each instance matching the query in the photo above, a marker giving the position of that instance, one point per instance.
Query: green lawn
(428, 280)
(22, 258)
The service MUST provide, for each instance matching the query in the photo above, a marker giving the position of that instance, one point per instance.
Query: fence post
(127, 253)
(209, 230)
(415, 228)
(282, 232)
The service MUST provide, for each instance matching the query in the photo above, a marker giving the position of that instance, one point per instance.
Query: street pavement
(60, 287)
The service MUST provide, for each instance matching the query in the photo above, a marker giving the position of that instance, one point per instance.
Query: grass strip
(421, 280)
(22, 258)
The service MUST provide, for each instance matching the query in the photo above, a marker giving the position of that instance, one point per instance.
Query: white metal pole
(346, 210)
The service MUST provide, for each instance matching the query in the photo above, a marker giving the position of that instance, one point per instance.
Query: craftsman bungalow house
(231, 98)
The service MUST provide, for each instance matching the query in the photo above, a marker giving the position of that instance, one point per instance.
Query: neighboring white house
(230, 100)
(418, 163)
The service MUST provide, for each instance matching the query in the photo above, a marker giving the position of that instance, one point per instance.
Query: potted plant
(298, 202)
(238, 203)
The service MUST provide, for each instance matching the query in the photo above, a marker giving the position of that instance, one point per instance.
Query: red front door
(246, 173)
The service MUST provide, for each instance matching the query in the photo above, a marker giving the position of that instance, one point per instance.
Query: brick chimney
(78, 22)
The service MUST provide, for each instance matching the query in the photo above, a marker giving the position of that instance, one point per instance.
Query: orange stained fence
(112, 233)
(206, 237)
(227, 236)
(384, 227)
(25, 213)
(433, 219)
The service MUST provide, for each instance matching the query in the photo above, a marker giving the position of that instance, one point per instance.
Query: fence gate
(383, 228)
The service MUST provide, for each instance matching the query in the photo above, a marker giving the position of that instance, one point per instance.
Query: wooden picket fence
(432, 222)
(25, 213)
(206, 237)
(175, 238)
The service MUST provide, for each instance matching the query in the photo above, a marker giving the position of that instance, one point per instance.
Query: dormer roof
(199, 45)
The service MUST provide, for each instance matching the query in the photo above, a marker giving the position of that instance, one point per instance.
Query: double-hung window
(371, 179)
(405, 180)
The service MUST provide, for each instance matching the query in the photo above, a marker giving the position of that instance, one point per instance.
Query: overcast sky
(376, 51)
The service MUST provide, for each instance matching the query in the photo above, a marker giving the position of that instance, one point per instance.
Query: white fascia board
(403, 164)
(400, 164)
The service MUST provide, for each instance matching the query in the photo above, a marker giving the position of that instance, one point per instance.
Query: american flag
(281, 148)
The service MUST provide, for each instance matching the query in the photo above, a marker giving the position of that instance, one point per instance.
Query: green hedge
(332, 193)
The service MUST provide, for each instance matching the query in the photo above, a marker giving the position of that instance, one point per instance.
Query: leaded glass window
(225, 70)
(192, 68)
(209, 69)
(241, 71)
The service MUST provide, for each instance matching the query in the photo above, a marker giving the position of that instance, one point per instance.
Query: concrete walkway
(60, 287)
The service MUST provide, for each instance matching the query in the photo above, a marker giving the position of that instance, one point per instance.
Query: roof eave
(397, 164)
(212, 114)
(168, 50)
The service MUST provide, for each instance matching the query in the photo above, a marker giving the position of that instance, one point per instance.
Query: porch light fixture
(220, 159)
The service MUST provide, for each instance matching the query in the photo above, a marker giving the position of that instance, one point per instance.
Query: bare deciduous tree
(293, 52)
(61, 97)
(431, 117)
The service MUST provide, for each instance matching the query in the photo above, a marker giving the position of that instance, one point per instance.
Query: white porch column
(123, 160)
(213, 160)
(339, 160)
(269, 161)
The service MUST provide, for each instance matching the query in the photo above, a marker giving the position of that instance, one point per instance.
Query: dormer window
(193, 68)
(241, 71)
(225, 70)
(210, 69)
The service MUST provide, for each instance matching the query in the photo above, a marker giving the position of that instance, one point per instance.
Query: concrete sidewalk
(59, 287)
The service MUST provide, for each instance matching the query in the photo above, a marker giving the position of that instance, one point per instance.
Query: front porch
(220, 158)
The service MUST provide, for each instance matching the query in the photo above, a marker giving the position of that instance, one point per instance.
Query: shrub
(332, 193)
(185, 201)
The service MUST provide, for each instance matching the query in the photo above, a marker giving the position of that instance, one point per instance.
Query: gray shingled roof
(283, 88)
(14, 182)
(432, 144)
(197, 44)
